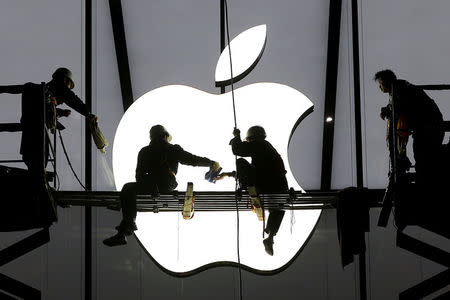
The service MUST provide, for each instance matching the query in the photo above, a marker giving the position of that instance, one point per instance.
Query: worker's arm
(239, 147)
(190, 159)
(73, 101)
(63, 112)
(12, 89)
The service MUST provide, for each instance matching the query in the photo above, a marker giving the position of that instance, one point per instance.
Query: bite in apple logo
(202, 124)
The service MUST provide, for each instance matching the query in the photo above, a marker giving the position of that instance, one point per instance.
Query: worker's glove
(225, 174)
(92, 118)
(63, 112)
(403, 163)
(236, 132)
(385, 112)
(214, 171)
(215, 166)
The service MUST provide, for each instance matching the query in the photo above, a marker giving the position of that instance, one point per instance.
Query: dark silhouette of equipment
(353, 221)
(410, 210)
(25, 205)
(419, 205)
(27, 202)
(204, 201)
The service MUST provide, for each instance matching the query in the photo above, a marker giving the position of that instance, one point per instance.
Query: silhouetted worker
(57, 91)
(423, 119)
(266, 173)
(156, 169)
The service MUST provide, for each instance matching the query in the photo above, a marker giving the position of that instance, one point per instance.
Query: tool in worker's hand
(98, 137)
(212, 175)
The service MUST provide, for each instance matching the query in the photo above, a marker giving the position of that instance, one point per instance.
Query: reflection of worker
(422, 117)
(57, 91)
(156, 168)
(266, 173)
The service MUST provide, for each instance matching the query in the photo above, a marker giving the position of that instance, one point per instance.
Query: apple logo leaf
(246, 51)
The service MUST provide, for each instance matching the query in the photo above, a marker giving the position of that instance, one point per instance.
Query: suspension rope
(231, 63)
(68, 160)
(235, 126)
(53, 161)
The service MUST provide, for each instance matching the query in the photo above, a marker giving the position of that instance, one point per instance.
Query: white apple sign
(202, 124)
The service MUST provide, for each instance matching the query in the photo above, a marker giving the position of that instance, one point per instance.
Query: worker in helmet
(422, 119)
(156, 169)
(265, 173)
(56, 92)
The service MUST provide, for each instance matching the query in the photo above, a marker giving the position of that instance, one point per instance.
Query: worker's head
(158, 132)
(385, 79)
(256, 133)
(63, 76)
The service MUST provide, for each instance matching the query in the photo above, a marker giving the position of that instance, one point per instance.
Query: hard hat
(158, 131)
(62, 73)
(256, 133)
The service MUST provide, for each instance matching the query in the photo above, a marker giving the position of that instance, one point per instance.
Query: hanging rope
(231, 63)
(53, 161)
(235, 126)
(68, 161)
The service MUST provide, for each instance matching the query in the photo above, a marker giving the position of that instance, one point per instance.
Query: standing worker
(423, 119)
(56, 92)
(157, 166)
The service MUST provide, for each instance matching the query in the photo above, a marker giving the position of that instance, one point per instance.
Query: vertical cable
(222, 34)
(231, 64)
(235, 126)
(83, 77)
(88, 150)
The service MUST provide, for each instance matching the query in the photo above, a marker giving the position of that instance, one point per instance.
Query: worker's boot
(116, 240)
(268, 245)
(127, 227)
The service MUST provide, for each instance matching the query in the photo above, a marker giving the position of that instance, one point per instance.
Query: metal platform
(209, 201)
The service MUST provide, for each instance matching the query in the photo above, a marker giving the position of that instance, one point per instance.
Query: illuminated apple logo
(202, 124)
